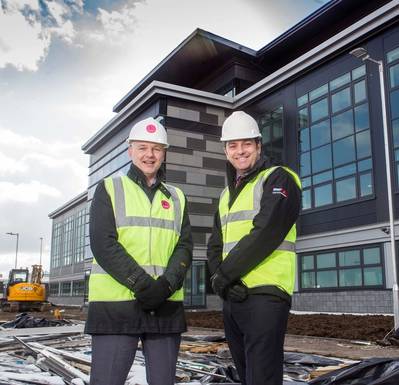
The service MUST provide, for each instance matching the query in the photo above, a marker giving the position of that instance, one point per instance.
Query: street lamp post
(16, 248)
(41, 250)
(362, 54)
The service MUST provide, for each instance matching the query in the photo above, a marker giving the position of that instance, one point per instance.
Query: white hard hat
(149, 130)
(239, 125)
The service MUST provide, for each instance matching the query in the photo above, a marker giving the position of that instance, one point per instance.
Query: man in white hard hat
(251, 252)
(141, 241)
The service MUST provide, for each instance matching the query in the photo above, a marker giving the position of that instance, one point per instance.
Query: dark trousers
(255, 331)
(113, 356)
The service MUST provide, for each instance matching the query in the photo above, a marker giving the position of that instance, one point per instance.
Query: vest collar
(137, 176)
(261, 164)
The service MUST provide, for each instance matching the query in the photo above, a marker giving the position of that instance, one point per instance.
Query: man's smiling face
(242, 154)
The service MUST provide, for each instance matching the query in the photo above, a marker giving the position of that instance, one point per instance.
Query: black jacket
(127, 317)
(271, 225)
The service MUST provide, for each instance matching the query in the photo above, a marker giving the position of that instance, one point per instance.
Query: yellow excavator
(24, 295)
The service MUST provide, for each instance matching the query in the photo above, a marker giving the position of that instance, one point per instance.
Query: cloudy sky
(64, 64)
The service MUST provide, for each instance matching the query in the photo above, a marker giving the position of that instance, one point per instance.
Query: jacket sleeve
(180, 260)
(108, 252)
(215, 245)
(278, 213)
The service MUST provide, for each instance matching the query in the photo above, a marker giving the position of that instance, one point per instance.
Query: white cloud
(28, 27)
(10, 165)
(10, 138)
(26, 192)
(23, 44)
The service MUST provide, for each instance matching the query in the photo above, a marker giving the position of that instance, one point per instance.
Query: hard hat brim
(228, 139)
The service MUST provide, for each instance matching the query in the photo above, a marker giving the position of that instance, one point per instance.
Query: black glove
(220, 283)
(140, 281)
(237, 293)
(155, 295)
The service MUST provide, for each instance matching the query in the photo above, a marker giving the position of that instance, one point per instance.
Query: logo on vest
(151, 128)
(165, 204)
(281, 191)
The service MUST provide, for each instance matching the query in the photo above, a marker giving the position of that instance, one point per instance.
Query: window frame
(306, 105)
(339, 268)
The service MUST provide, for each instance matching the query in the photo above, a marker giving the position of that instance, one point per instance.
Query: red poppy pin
(165, 204)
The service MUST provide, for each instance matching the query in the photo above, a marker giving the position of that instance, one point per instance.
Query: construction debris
(62, 355)
(24, 320)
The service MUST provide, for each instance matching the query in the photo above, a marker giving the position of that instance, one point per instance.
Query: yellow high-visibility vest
(149, 231)
(278, 269)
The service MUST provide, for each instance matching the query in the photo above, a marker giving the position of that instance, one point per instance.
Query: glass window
(194, 285)
(364, 165)
(395, 130)
(349, 258)
(308, 280)
(393, 69)
(350, 268)
(360, 91)
(349, 169)
(395, 104)
(346, 189)
(358, 72)
(319, 110)
(342, 125)
(393, 55)
(326, 260)
(302, 100)
(362, 117)
(323, 195)
(372, 276)
(341, 100)
(327, 278)
(350, 277)
(340, 81)
(305, 164)
(306, 182)
(266, 133)
(344, 151)
(78, 288)
(363, 144)
(321, 158)
(306, 199)
(318, 92)
(271, 125)
(371, 256)
(394, 75)
(304, 143)
(307, 262)
(320, 133)
(303, 118)
(338, 137)
(366, 185)
(65, 288)
(323, 177)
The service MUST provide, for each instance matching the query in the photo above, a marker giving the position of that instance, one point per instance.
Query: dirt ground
(350, 327)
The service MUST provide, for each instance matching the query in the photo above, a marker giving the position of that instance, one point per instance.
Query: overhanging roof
(190, 62)
(82, 197)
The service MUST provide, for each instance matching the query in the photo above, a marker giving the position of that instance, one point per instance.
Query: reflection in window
(349, 268)
(335, 146)
(323, 195)
(393, 71)
(194, 285)
(319, 110)
(342, 125)
(271, 126)
(346, 189)
(341, 100)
